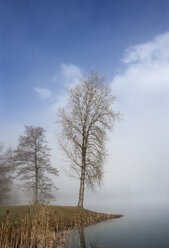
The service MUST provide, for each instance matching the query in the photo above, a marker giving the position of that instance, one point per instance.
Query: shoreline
(58, 217)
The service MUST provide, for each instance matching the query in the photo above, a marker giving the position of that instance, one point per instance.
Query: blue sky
(45, 47)
(37, 36)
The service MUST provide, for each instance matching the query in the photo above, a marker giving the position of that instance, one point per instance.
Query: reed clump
(32, 230)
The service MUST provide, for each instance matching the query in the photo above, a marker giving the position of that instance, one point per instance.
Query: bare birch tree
(84, 124)
(32, 159)
(6, 171)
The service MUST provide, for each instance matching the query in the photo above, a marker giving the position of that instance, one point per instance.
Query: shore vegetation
(43, 225)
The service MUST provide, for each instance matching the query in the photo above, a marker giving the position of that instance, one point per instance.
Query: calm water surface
(144, 227)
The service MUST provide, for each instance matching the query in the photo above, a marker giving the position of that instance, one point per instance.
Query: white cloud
(140, 142)
(43, 92)
(69, 74)
(146, 77)
(156, 50)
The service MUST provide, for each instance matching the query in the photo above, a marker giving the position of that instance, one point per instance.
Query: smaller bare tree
(32, 159)
(6, 171)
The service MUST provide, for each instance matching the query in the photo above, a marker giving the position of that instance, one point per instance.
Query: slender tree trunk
(36, 179)
(36, 187)
(82, 182)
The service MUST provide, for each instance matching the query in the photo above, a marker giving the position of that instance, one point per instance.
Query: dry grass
(43, 226)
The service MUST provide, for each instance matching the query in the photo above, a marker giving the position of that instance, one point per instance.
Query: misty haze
(84, 120)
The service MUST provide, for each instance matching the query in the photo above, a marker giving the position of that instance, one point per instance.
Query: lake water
(141, 227)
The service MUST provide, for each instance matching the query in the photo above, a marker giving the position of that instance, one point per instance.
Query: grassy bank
(57, 215)
(43, 226)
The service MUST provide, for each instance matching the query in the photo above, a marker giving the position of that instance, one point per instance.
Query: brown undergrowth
(45, 226)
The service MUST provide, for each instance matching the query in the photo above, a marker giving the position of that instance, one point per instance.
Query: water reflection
(81, 238)
(76, 239)
(81, 241)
